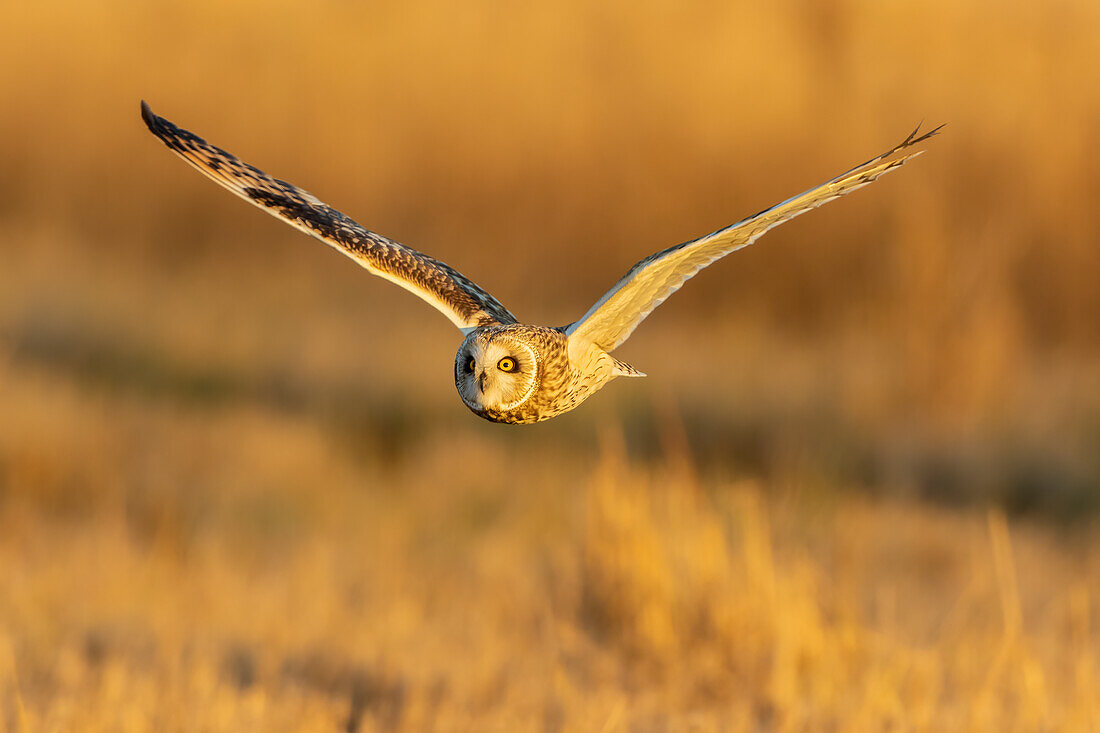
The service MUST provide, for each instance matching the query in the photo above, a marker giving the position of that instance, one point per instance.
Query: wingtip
(913, 139)
(909, 139)
(151, 120)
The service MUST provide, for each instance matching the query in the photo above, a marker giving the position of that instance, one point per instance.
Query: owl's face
(496, 371)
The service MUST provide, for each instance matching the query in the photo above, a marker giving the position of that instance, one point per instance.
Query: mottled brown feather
(463, 302)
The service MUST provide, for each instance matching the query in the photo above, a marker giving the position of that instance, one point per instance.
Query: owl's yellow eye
(507, 364)
(470, 365)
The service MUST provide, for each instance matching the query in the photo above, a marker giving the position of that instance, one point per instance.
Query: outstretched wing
(615, 315)
(463, 302)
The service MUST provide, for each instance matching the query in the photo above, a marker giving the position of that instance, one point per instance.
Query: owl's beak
(481, 381)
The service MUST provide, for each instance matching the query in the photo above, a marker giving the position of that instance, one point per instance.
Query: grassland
(858, 491)
(172, 566)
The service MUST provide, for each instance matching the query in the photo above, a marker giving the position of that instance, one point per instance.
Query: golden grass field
(857, 492)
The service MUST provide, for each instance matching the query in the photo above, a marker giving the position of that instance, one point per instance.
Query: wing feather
(443, 287)
(648, 283)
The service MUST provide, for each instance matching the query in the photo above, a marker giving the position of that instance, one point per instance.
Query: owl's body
(545, 381)
(505, 371)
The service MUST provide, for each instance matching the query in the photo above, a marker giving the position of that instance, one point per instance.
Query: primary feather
(446, 289)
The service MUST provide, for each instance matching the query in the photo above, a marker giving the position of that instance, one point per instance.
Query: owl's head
(496, 370)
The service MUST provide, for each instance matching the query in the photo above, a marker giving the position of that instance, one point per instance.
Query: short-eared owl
(506, 371)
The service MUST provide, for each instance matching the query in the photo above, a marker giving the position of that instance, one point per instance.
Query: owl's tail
(622, 369)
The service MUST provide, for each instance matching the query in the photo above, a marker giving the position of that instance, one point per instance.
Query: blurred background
(858, 489)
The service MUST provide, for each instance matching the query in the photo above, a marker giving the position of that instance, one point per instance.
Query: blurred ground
(857, 491)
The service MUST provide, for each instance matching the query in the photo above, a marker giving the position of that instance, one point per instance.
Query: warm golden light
(857, 490)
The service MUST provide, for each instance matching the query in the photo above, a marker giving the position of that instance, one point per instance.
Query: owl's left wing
(614, 317)
(443, 287)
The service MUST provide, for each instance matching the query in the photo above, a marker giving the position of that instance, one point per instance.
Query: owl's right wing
(443, 287)
(614, 317)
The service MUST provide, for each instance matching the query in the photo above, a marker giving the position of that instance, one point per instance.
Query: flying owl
(506, 371)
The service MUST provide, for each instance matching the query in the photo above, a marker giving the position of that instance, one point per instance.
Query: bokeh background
(857, 491)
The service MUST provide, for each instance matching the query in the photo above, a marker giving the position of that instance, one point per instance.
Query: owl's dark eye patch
(470, 364)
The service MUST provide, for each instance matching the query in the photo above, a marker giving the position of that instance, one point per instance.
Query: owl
(506, 371)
